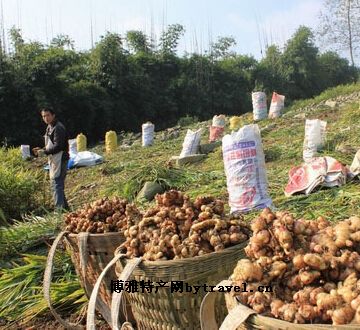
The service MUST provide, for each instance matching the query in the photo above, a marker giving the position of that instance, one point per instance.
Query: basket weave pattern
(100, 250)
(167, 310)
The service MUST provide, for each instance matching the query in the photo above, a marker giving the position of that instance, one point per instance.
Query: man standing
(56, 147)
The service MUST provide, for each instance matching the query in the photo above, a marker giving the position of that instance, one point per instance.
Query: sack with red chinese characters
(244, 164)
(277, 105)
(216, 133)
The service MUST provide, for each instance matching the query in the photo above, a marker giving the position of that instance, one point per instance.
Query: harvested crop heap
(178, 228)
(102, 216)
(313, 268)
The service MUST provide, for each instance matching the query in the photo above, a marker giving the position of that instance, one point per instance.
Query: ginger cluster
(313, 268)
(178, 228)
(102, 216)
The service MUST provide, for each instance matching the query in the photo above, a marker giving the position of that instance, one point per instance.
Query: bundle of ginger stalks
(177, 228)
(313, 268)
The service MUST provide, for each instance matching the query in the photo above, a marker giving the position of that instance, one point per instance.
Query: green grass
(19, 185)
(28, 233)
(21, 296)
(327, 94)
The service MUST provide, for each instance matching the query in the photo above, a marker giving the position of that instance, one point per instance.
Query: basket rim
(268, 319)
(185, 261)
(116, 233)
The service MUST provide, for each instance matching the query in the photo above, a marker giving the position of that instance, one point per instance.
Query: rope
(47, 283)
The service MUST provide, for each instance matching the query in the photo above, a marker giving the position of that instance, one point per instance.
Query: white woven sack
(315, 132)
(277, 105)
(25, 151)
(259, 105)
(218, 121)
(147, 134)
(72, 148)
(191, 143)
(244, 164)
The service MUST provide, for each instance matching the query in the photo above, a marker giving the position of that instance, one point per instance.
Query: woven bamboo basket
(173, 310)
(241, 317)
(90, 253)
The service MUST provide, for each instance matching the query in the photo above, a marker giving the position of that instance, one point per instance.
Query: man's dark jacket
(58, 136)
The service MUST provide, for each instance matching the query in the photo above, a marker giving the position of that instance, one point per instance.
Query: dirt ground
(45, 323)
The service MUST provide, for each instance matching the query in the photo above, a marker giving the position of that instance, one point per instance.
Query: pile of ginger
(313, 268)
(177, 228)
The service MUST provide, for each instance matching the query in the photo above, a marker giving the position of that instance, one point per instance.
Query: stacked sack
(217, 128)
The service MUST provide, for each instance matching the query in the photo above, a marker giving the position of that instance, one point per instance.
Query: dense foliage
(124, 81)
(20, 187)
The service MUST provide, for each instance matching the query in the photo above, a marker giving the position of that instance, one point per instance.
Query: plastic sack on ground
(355, 165)
(110, 141)
(149, 190)
(277, 105)
(315, 131)
(259, 105)
(86, 158)
(215, 133)
(319, 171)
(244, 164)
(191, 143)
(235, 122)
(72, 147)
(218, 121)
(81, 142)
(147, 134)
(25, 151)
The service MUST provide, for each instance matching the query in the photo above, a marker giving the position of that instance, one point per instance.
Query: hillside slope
(124, 171)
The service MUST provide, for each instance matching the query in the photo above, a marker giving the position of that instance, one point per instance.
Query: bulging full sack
(110, 141)
(191, 143)
(235, 123)
(147, 134)
(25, 151)
(72, 148)
(81, 142)
(259, 105)
(215, 133)
(218, 121)
(244, 164)
(315, 131)
(277, 105)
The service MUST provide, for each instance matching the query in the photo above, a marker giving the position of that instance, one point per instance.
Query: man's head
(48, 115)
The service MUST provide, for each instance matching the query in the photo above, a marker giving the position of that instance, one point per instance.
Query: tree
(335, 70)
(61, 41)
(300, 64)
(16, 38)
(270, 74)
(137, 41)
(220, 49)
(340, 25)
(170, 38)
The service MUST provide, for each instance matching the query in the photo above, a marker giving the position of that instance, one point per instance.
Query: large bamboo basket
(166, 310)
(241, 317)
(90, 253)
(90, 260)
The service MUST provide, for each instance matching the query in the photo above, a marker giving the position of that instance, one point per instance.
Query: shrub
(18, 185)
(187, 120)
